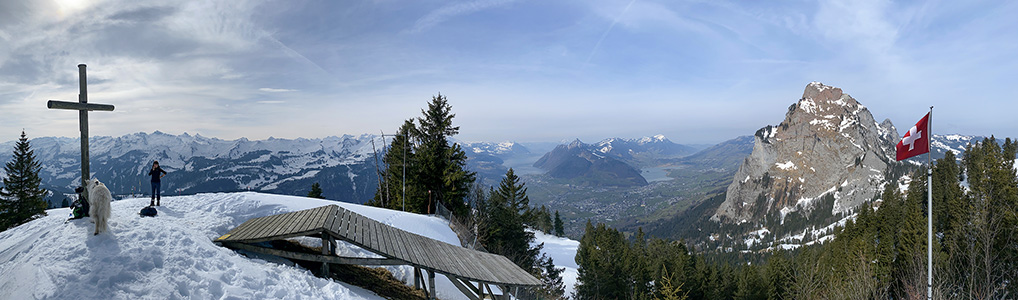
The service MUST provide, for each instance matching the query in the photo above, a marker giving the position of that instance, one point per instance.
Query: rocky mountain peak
(828, 143)
(820, 92)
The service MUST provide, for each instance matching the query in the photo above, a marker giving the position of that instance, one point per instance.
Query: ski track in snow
(171, 256)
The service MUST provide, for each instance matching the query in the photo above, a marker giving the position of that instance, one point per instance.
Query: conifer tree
(441, 167)
(551, 277)
(559, 228)
(316, 191)
(602, 271)
(21, 198)
(670, 290)
(502, 231)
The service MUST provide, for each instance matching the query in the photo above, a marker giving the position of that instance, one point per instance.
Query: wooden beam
(463, 287)
(431, 285)
(340, 260)
(56, 104)
(488, 286)
(327, 252)
(417, 277)
(505, 291)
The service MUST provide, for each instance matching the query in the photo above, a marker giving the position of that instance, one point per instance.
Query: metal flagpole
(929, 206)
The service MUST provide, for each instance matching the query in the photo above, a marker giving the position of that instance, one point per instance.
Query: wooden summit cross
(82, 106)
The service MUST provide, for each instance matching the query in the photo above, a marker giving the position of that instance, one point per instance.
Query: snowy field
(172, 256)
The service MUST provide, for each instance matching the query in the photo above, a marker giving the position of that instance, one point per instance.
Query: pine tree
(21, 199)
(669, 290)
(316, 191)
(502, 231)
(551, 277)
(559, 228)
(441, 167)
(602, 271)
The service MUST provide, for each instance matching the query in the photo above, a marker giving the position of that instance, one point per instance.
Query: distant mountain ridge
(576, 162)
(341, 165)
(643, 152)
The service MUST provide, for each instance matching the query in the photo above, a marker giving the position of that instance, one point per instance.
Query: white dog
(99, 198)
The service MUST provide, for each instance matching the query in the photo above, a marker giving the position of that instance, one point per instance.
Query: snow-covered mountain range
(198, 164)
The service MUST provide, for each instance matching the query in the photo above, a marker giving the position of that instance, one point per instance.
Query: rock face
(827, 144)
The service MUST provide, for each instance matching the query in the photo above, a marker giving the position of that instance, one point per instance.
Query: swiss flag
(916, 141)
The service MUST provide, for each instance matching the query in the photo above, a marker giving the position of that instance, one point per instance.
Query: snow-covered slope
(563, 253)
(172, 255)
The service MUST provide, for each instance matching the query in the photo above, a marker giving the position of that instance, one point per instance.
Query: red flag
(916, 141)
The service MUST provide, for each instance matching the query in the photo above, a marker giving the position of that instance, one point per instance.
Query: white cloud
(272, 90)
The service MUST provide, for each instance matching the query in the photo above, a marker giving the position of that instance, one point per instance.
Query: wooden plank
(357, 230)
(290, 222)
(470, 265)
(330, 216)
(304, 220)
(437, 257)
(251, 228)
(367, 235)
(383, 244)
(294, 222)
(422, 254)
(483, 269)
(372, 235)
(414, 246)
(398, 239)
(236, 233)
(337, 219)
(363, 231)
(348, 225)
(277, 224)
(319, 223)
(455, 260)
(257, 228)
(312, 221)
(390, 239)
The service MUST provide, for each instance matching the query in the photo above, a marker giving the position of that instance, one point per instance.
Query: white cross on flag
(916, 141)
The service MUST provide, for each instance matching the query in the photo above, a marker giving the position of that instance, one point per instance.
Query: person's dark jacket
(155, 173)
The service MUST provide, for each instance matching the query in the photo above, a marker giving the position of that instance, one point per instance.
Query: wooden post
(490, 292)
(417, 277)
(326, 250)
(82, 106)
(431, 285)
(83, 126)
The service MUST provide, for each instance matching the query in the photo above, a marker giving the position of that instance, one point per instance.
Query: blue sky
(695, 71)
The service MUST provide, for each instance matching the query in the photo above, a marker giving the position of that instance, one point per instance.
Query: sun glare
(68, 7)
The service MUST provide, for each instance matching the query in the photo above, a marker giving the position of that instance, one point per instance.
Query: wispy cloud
(272, 90)
(606, 31)
(447, 12)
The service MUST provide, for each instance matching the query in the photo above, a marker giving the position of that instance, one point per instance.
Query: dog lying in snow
(99, 205)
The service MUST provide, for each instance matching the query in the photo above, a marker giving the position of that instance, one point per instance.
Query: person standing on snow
(157, 173)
